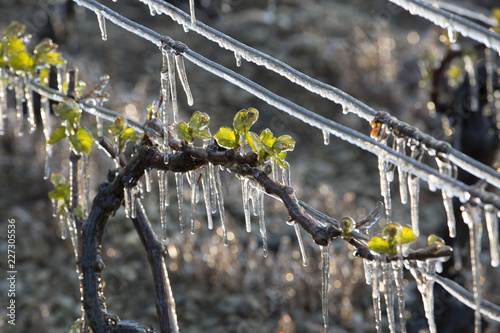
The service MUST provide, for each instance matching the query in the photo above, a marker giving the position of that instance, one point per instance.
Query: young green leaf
(183, 129)
(254, 141)
(61, 187)
(244, 119)
(21, 61)
(130, 134)
(226, 138)
(14, 30)
(58, 135)
(82, 141)
(118, 126)
(69, 111)
(284, 143)
(199, 121)
(379, 245)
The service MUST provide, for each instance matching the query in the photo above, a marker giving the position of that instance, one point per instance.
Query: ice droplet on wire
(472, 218)
(237, 56)
(181, 69)
(325, 282)
(102, 25)
(491, 217)
(326, 137)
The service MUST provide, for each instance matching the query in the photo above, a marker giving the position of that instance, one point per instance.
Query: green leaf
(244, 119)
(379, 245)
(51, 58)
(22, 61)
(58, 135)
(78, 211)
(45, 46)
(254, 141)
(118, 126)
(199, 121)
(130, 134)
(202, 134)
(69, 111)
(14, 30)
(407, 236)
(183, 129)
(284, 143)
(433, 239)
(267, 137)
(226, 138)
(82, 141)
(61, 187)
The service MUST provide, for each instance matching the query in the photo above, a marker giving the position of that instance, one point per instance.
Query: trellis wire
(315, 86)
(421, 170)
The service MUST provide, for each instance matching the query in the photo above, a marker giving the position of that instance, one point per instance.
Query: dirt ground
(370, 50)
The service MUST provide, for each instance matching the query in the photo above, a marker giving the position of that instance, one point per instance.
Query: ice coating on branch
(325, 282)
(246, 203)
(205, 184)
(102, 25)
(402, 174)
(491, 217)
(385, 186)
(220, 204)
(179, 185)
(302, 248)
(179, 63)
(376, 273)
(472, 218)
(445, 168)
(397, 269)
(326, 137)
(389, 294)
(262, 221)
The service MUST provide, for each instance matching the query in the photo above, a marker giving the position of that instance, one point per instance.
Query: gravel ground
(364, 49)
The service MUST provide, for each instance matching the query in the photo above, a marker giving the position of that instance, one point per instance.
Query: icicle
(425, 287)
(388, 294)
(148, 179)
(414, 190)
(445, 168)
(397, 268)
(491, 217)
(452, 36)
(220, 203)
(262, 222)
(55, 208)
(286, 177)
(302, 248)
(163, 195)
(179, 178)
(102, 25)
(473, 87)
(3, 104)
(45, 115)
(19, 91)
(29, 106)
(86, 183)
(254, 196)
(472, 219)
(192, 13)
(376, 294)
(325, 282)
(179, 63)
(60, 78)
(63, 227)
(127, 199)
(133, 201)
(402, 175)
(385, 187)
(194, 196)
(274, 175)
(246, 203)
(172, 85)
(205, 184)
(368, 271)
(213, 187)
(237, 56)
(326, 137)
(152, 9)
